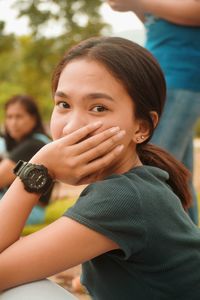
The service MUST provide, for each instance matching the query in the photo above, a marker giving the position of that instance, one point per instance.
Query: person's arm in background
(128, 5)
(180, 12)
(6, 172)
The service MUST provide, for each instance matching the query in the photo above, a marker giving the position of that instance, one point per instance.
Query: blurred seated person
(23, 136)
(2, 147)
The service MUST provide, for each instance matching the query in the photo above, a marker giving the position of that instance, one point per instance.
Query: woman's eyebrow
(98, 96)
(90, 96)
(61, 94)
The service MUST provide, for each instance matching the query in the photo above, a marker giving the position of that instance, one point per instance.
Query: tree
(76, 19)
(33, 58)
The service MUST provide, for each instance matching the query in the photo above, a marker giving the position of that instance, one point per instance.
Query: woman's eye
(99, 108)
(63, 104)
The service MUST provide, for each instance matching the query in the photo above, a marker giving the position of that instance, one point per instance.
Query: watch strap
(19, 166)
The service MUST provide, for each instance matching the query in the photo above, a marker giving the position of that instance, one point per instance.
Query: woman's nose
(74, 122)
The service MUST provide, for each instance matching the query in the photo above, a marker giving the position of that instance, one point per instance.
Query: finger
(101, 162)
(80, 162)
(81, 133)
(97, 139)
(102, 148)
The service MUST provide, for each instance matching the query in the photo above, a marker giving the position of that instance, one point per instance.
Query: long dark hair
(30, 106)
(141, 75)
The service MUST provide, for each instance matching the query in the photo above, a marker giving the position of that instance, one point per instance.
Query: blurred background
(34, 34)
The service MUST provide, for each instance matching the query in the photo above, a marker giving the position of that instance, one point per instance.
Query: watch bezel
(23, 169)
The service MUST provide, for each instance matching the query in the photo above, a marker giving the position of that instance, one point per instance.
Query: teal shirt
(159, 256)
(177, 48)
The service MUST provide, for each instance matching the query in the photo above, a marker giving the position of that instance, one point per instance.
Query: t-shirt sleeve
(25, 150)
(114, 210)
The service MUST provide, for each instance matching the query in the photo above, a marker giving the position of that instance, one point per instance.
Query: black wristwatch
(35, 178)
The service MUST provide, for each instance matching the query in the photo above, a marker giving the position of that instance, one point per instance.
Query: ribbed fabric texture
(159, 245)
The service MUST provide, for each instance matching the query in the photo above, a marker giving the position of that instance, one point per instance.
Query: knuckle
(104, 163)
(81, 172)
(84, 131)
(72, 163)
(90, 143)
(113, 140)
(100, 151)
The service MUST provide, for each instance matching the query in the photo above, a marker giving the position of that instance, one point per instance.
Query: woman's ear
(143, 131)
(154, 117)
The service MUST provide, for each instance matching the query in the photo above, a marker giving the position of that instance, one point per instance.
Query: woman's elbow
(190, 21)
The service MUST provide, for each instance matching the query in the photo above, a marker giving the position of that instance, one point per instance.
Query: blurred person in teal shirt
(23, 136)
(173, 37)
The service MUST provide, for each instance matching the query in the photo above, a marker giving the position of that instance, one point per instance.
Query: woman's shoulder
(111, 194)
(113, 185)
(134, 180)
(134, 190)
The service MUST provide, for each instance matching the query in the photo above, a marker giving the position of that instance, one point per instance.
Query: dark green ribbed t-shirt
(159, 256)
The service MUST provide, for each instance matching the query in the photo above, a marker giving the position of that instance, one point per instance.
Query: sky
(119, 21)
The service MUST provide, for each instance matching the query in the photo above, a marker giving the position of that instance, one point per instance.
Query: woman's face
(18, 121)
(87, 93)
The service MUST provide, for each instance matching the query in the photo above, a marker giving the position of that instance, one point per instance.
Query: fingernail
(119, 148)
(121, 134)
(114, 129)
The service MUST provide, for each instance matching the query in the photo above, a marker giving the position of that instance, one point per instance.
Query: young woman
(24, 135)
(129, 227)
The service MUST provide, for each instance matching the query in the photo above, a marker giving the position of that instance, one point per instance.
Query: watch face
(35, 178)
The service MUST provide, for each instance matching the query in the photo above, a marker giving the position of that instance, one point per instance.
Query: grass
(52, 212)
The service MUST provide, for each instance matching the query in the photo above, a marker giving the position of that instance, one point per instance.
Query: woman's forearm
(181, 12)
(15, 208)
(73, 160)
(6, 172)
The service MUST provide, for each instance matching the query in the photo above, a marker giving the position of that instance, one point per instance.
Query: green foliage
(27, 62)
(197, 129)
(53, 211)
(72, 15)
